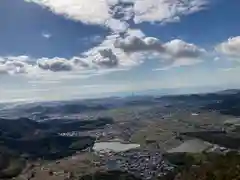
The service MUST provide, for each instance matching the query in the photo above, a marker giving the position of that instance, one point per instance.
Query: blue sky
(53, 49)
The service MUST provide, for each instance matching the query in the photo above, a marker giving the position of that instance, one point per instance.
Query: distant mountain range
(61, 108)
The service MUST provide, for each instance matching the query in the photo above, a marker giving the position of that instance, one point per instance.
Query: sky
(71, 49)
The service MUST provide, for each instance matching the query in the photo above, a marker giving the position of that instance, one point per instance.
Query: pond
(114, 146)
(191, 146)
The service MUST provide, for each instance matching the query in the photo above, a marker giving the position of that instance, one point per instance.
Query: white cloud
(176, 48)
(27, 65)
(14, 65)
(55, 65)
(107, 58)
(231, 47)
(105, 12)
(46, 35)
(135, 44)
(176, 52)
(124, 60)
(216, 59)
(96, 12)
(113, 54)
(117, 25)
(98, 60)
(165, 11)
(181, 49)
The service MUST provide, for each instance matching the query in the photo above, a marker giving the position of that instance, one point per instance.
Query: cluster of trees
(218, 167)
(11, 164)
